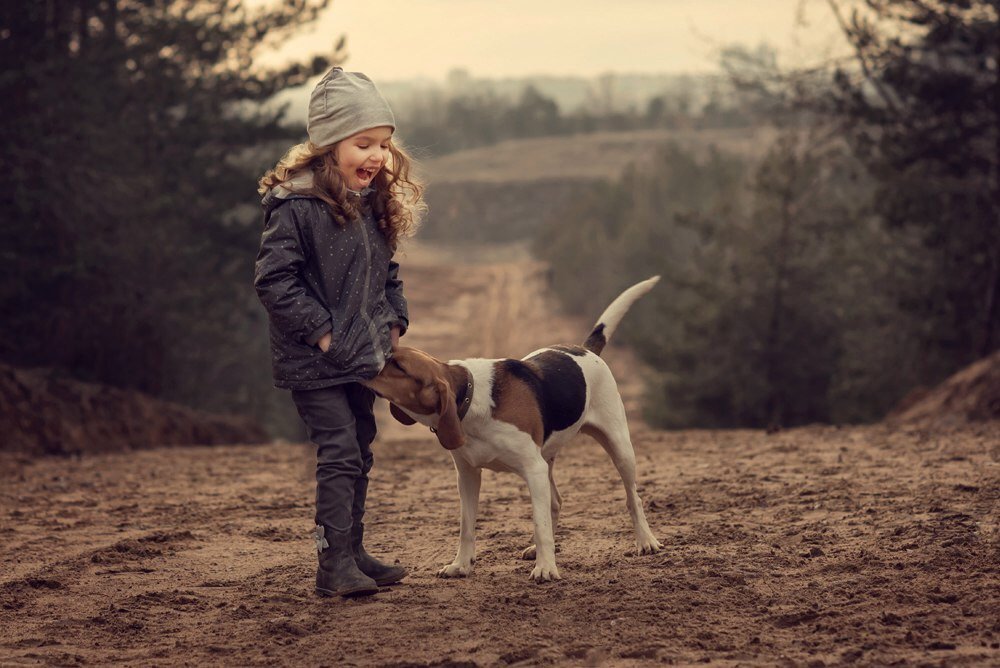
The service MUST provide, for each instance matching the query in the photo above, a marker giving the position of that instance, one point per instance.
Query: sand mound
(971, 395)
(42, 413)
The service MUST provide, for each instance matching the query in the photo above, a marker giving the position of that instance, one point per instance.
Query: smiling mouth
(366, 174)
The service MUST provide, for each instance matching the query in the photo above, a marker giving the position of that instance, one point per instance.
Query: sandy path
(813, 546)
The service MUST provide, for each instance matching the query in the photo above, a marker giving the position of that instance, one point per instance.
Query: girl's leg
(332, 428)
(362, 402)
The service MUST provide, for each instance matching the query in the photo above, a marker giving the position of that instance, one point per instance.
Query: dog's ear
(400, 415)
(449, 429)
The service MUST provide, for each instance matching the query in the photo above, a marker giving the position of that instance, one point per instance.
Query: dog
(515, 415)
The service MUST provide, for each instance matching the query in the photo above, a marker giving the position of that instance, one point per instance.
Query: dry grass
(602, 155)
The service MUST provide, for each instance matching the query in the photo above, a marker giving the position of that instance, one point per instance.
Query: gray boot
(383, 574)
(338, 574)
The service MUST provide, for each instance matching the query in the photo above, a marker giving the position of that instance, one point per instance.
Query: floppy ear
(449, 429)
(400, 415)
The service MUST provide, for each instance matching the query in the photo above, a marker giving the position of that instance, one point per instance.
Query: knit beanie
(343, 104)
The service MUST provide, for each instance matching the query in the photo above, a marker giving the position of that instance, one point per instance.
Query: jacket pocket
(345, 339)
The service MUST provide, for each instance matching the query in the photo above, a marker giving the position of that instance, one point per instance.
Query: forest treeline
(437, 124)
(858, 260)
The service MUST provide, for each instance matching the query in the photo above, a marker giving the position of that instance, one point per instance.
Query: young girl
(335, 209)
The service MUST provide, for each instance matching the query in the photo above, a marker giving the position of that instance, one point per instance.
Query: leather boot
(338, 574)
(383, 574)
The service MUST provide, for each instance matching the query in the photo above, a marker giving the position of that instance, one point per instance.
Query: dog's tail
(608, 322)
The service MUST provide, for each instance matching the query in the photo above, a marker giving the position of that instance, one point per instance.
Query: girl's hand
(325, 341)
(395, 337)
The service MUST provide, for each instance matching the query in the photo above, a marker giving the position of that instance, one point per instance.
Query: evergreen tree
(761, 305)
(124, 130)
(921, 106)
(776, 301)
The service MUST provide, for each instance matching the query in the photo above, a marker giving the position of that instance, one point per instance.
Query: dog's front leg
(529, 552)
(469, 479)
(537, 477)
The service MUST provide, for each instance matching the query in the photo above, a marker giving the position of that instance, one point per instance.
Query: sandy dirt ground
(814, 546)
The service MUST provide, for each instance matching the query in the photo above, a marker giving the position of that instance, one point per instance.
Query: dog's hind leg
(469, 479)
(556, 504)
(612, 434)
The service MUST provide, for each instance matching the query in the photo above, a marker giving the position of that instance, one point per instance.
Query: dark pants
(341, 424)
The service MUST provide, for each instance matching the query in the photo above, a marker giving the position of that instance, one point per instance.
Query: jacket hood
(294, 188)
(290, 189)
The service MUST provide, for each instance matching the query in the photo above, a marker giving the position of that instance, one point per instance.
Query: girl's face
(361, 156)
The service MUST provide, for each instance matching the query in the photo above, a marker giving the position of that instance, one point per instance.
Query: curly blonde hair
(398, 203)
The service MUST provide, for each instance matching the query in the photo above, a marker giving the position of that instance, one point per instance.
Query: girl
(335, 209)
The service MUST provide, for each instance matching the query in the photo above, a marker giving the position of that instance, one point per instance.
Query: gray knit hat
(345, 103)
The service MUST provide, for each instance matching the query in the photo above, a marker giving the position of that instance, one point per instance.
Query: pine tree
(921, 106)
(124, 132)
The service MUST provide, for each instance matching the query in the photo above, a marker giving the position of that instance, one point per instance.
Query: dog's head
(419, 389)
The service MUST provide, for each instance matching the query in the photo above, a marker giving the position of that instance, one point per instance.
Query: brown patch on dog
(400, 416)
(406, 379)
(516, 404)
(449, 428)
(421, 384)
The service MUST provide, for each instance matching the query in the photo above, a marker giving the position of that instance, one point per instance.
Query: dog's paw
(648, 545)
(545, 573)
(529, 553)
(455, 570)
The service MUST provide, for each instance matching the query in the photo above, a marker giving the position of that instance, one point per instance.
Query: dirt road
(815, 546)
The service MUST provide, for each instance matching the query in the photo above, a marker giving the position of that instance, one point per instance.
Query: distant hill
(505, 191)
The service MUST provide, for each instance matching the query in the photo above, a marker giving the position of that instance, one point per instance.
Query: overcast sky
(402, 39)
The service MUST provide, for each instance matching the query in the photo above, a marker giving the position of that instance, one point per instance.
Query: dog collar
(463, 398)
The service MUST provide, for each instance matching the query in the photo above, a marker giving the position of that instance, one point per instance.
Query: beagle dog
(515, 415)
